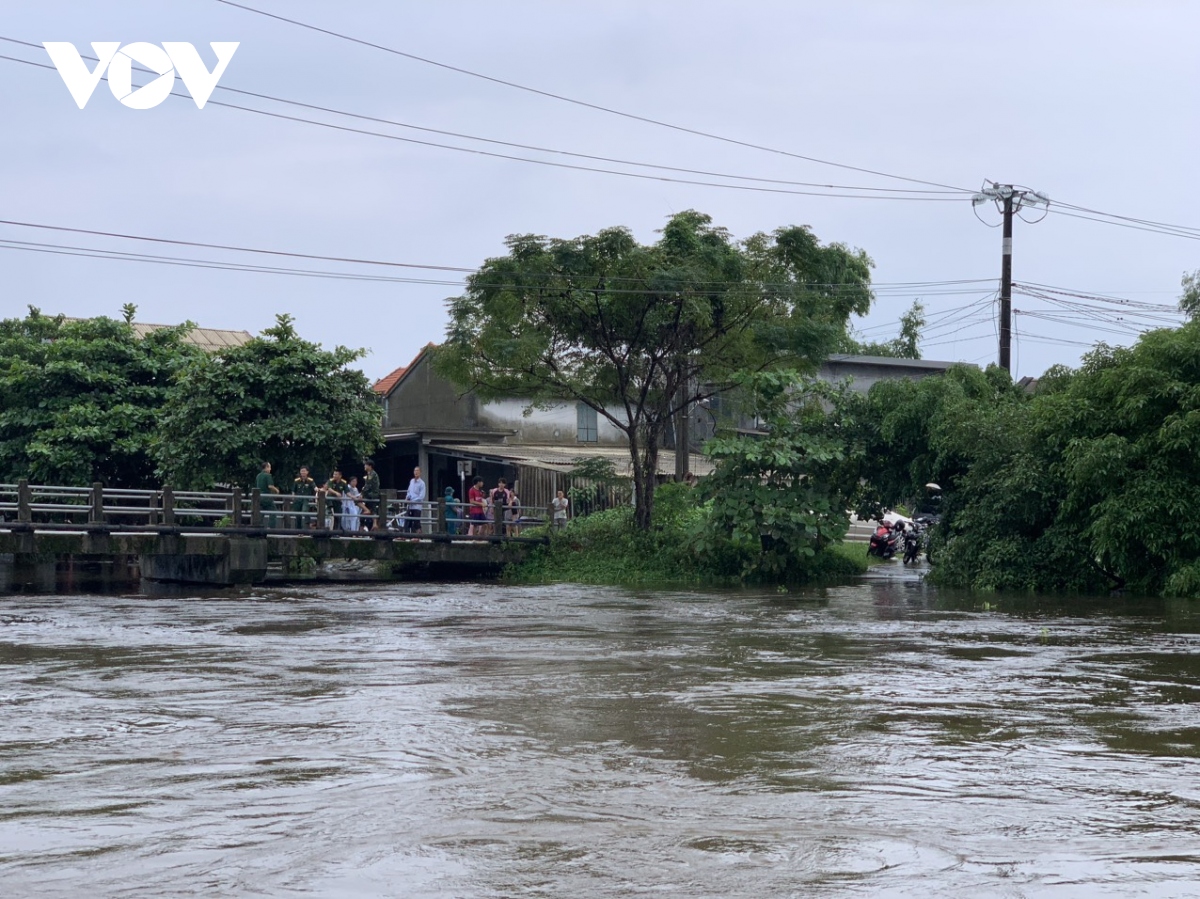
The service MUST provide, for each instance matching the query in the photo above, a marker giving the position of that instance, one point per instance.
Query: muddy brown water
(877, 739)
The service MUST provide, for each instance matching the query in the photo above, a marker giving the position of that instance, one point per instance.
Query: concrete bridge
(51, 534)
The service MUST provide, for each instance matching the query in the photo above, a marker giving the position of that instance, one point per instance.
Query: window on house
(586, 424)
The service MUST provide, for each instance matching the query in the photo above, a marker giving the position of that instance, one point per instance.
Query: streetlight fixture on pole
(1010, 201)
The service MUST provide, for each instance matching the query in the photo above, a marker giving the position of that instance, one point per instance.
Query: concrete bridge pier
(203, 559)
(27, 571)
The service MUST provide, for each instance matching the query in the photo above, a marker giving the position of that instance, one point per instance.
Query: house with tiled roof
(455, 434)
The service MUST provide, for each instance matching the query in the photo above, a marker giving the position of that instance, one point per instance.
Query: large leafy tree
(780, 497)
(80, 400)
(277, 398)
(638, 332)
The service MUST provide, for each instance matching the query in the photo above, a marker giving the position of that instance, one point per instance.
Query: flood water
(479, 740)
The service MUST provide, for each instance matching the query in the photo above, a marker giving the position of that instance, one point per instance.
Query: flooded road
(487, 741)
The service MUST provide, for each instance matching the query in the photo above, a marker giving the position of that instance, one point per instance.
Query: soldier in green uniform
(266, 486)
(371, 494)
(303, 487)
(335, 487)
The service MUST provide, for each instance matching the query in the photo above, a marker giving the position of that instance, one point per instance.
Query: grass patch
(606, 548)
(856, 553)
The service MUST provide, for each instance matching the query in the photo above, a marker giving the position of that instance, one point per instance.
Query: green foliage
(80, 401)
(905, 346)
(1189, 301)
(277, 398)
(780, 498)
(637, 331)
(594, 481)
(1085, 486)
(608, 548)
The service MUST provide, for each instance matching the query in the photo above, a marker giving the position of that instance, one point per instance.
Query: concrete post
(441, 516)
(96, 513)
(24, 501)
(255, 508)
(168, 506)
(235, 507)
(320, 523)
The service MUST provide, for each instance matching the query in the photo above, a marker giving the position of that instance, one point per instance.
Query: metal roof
(562, 458)
(209, 339)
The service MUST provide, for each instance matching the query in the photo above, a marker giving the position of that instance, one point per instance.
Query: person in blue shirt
(416, 501)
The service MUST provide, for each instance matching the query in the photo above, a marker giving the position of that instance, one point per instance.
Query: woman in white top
(351, 506)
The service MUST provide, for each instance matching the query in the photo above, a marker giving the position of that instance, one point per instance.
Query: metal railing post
(96, 513)
(385, 508)
(24, 500)
(168, 506)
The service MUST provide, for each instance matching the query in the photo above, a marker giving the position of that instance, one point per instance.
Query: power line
(494, 141)
(1131, 219)
(583, 103)
(122, 256)
(222, 265)
(233, 248)
(543, 162)
(1171, 231)
(886, 286)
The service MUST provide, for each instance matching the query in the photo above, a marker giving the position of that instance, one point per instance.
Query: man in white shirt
(416, 501)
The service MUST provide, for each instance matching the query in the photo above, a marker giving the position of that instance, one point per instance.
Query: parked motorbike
(885, 542)
(912, 544)
(924, 525)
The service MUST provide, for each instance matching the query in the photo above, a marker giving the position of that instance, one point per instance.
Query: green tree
(637, 332)
(1189, 300)
(781, 497)
(1087, 485)
(277, 398)
(906, 345)
(80, 400)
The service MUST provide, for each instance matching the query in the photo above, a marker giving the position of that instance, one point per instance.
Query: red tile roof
(384, 385)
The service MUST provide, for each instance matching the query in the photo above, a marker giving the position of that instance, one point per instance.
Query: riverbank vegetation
(93, 400)
(606, 548)
(1084, 485)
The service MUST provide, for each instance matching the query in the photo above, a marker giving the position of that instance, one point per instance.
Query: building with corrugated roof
(455, 434)
(208, 339)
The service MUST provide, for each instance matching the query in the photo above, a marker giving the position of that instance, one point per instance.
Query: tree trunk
(643, 449)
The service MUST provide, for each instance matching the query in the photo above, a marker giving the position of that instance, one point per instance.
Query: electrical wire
(222, 265)
(474, 151)
(504, 143)
(584, 103)
(883, 286)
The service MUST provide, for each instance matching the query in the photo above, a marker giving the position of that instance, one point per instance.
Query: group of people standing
(351, 507)
(498, 511)
(348, 507)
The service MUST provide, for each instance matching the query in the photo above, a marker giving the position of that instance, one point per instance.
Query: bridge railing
(453, 518)
(105, 508)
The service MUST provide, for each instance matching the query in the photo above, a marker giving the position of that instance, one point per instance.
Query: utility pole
(1006, 285)
(683, 465)
(1010, 201)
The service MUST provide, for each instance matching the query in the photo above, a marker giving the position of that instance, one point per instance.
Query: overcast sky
(1093, 103)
